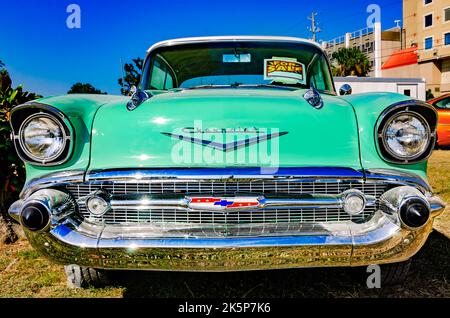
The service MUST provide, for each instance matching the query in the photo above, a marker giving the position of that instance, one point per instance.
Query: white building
(414, 87)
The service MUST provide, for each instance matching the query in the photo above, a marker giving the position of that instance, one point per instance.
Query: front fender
(80, 110)
(368, 108)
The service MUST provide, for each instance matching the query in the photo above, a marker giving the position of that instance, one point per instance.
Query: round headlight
(406, 135)
(42, 137)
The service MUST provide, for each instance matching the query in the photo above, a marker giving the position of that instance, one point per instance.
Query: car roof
(436, 99)
(237, 38)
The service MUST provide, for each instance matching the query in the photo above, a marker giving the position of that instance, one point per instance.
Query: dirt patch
(7, 233)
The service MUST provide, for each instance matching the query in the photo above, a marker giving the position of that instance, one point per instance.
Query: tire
(395, 274)
(82, 277)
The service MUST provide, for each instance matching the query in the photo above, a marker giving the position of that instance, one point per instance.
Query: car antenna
(122, 71)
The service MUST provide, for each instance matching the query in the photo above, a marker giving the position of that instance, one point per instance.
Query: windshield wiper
(278, 86)
(235, 85)
(207, 86)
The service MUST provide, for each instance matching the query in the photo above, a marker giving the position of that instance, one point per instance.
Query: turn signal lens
(97, 206)
(354, 202)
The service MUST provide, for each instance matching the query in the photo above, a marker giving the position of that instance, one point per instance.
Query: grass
(23, 273)
(439, 174)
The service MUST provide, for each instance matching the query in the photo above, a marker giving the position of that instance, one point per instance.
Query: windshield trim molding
(221, 39)
(239, 38)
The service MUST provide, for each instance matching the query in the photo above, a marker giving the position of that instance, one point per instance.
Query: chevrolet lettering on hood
(254, 136)
(234, 153)
(198, 130)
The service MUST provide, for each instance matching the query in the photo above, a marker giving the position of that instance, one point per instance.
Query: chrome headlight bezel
(424, 113)
(424, 147)
(25, 147)
(22, 115)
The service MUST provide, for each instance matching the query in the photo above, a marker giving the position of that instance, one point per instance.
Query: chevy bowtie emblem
(224, 204)
(227, 146)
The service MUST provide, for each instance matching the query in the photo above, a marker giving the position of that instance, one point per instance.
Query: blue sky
(46, 57)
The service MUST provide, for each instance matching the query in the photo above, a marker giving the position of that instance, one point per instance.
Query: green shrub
(12, 174)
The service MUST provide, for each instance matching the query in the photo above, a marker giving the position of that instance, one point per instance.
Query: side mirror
(137, 98)
(345, 90)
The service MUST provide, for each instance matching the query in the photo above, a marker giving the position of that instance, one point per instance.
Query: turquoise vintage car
(235, 153)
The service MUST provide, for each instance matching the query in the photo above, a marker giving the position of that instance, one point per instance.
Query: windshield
(234, 64)
(443, 103)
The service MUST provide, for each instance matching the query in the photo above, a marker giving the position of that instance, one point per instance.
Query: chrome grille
(264, 216)
(272, 216)
(224, 187)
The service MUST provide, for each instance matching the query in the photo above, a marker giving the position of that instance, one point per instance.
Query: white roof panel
(231, 38)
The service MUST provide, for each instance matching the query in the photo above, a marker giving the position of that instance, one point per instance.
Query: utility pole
(314, 29)
(401, 33)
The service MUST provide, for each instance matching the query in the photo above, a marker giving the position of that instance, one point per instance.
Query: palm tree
(351, 62)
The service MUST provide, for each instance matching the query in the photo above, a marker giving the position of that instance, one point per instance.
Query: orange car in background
(442, 105)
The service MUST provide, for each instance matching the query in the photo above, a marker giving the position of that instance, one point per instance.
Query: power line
(435, 41)
(417, 49)
(287, 30)
(337, 15)
(433, 28)
(357, 41)
(421, 50)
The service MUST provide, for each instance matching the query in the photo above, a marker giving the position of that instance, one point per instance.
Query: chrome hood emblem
(230, 146)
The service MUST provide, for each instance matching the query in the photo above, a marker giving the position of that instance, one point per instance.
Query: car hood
(292, 133)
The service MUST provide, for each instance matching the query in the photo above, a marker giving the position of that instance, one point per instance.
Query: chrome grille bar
(309, 201)
(274, 216)
(124, 211)
(214, 187)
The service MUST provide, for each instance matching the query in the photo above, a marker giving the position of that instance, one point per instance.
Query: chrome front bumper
(69, 239)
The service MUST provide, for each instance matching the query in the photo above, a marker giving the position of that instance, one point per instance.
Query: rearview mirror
(236, 58)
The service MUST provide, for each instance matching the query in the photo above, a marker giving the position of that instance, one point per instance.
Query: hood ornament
(313, 97)
(137, 98)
